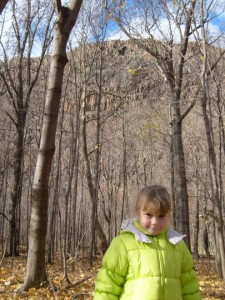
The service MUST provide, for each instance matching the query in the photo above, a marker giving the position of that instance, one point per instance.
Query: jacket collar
(141, 236)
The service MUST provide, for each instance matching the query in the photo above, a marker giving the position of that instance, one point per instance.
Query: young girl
(148, 260)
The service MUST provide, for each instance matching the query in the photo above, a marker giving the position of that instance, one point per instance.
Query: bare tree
(171, 61)
(216, 183)
(163, 31)
(36, 271)
(20, 75)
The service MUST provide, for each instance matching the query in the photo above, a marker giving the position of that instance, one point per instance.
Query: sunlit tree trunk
(36, 270)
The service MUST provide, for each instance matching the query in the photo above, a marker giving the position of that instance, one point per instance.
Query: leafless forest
(132, 112)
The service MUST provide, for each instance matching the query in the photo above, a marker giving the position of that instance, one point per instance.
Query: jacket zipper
(161, 269)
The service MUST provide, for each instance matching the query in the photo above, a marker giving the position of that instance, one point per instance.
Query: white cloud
(167, 30)
(117, 35)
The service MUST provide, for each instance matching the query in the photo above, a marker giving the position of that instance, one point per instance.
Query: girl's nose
(154, 220)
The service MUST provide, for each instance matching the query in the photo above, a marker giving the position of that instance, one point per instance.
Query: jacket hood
(142, 236)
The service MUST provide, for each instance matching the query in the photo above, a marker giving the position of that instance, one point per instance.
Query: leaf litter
(79, 284)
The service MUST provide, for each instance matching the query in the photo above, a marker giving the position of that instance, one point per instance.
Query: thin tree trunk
(124, 171)
(75, 165)
(13, 243)
(97, 171)
(196, 219)
(91, 187)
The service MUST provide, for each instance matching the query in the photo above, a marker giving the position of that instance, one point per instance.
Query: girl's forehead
(155, 207)
(152, 211)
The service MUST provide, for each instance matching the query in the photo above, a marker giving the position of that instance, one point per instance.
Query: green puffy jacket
(138, 266)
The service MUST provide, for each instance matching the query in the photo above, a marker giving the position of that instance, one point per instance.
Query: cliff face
(121, 68)
(124, 69)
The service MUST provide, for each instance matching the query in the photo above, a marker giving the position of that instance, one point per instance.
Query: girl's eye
(149, 215)
(161, 216)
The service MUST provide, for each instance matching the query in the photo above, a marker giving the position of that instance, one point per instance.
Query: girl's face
(153, 223)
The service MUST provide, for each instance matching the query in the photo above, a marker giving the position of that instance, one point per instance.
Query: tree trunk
(196, 222)
(179, 180)
(36, 271)
(14, 212)
(198, 195)
(74, 170)
(91, 186)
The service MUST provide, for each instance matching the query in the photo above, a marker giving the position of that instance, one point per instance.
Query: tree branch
(58, 6)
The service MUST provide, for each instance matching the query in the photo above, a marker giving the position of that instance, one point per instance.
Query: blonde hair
(154, 198)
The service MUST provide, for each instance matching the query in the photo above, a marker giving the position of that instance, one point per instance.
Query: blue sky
(220, 22)
(215, 28)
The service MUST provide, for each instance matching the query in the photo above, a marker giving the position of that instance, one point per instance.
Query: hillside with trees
(128, 113)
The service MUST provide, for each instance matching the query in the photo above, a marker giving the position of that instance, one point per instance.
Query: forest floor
(82, 280)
